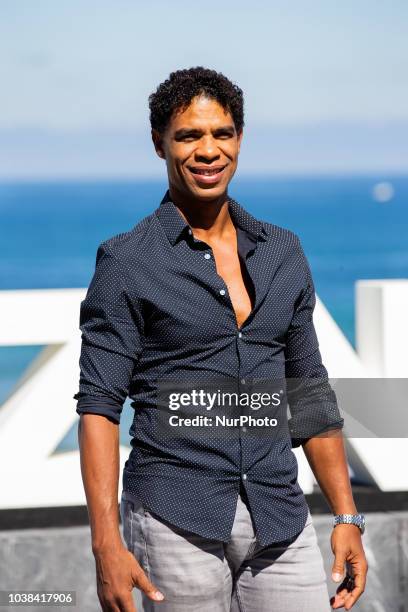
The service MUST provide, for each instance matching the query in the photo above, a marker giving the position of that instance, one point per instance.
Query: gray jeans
(197, 574)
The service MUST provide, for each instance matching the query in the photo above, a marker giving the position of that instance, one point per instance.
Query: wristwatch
(353, 519)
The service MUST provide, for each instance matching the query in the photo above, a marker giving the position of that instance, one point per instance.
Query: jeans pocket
(136, 519)
(126, 518)
(309, 518)
(308, 536)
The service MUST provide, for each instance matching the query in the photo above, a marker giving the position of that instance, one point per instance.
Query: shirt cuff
(298, 441)
(95, 404)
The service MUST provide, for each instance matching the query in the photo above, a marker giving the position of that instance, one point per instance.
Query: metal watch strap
(351, 519)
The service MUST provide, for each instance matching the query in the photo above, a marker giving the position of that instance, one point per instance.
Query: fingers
(352, 586)
(145, 585)
(338, 565)
(359, 578)
(122, 603)
(338, 600)
(126, 604)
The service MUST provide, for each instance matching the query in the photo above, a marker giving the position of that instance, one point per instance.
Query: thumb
(338, 567)
(148, 587)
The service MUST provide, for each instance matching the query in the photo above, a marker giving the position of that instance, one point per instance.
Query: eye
(187, 136)
(224, 135)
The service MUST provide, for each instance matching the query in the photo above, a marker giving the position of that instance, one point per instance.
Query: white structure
(41, 408)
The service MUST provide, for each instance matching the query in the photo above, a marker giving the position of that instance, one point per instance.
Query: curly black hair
(177, 92)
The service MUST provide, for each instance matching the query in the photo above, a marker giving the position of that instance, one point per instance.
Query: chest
(233, 270)
(193, 298)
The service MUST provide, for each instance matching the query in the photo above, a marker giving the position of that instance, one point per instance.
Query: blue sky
(325, 83)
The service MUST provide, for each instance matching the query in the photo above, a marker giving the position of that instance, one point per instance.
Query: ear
(158, 143)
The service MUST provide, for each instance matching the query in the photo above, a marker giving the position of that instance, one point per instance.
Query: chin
(210, 190)
(210, 194)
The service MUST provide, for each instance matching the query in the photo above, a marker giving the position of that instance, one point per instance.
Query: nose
(207, 149)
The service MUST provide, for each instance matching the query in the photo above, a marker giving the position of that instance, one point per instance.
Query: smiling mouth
(207, 171)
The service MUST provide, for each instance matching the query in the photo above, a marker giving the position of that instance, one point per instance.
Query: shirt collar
(174, 224)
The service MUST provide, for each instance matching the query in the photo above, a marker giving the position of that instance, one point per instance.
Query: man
(202, 294)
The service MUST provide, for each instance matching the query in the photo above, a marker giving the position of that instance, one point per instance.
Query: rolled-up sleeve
(312, 402)
(111, 325)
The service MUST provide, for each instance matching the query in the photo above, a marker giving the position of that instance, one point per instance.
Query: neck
(210, 218)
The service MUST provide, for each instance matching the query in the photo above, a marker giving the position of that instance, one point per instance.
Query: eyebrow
(182, 132)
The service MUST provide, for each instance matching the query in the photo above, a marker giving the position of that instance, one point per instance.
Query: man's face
(201, 147)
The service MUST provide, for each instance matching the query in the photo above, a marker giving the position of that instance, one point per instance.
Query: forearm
(99, 451)
(327, 458)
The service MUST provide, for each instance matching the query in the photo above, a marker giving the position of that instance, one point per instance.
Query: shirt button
(189, 231)
(239, 334)
(244, 476)
(222, 291)
(244, 430)
(207, 255)
(243, 381)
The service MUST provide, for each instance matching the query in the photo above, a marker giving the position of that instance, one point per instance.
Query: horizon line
(387, 174)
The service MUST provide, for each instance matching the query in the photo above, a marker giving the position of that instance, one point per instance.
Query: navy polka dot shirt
(156, 310)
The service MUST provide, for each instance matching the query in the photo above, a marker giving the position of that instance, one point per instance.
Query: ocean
(351, 228)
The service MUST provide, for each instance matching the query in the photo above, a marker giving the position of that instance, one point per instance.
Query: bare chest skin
(235, 276)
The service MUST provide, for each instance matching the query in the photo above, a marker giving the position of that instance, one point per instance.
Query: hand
(117, 573)
(348, 549)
